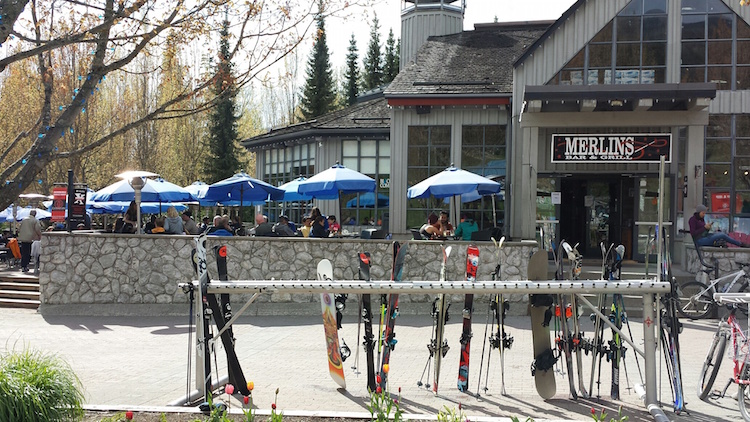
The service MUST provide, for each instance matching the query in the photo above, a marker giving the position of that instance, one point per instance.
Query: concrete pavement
(131, 361)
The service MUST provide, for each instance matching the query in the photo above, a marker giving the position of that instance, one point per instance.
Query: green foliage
(352, 72)
(602, 416)
(450, 414)
(515, 419)
(382, 405)
(390, 70)
(373, 62)
(276, 416)
(38, 387)
(319, 95)
(221, 159)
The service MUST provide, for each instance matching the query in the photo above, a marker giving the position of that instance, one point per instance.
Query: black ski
(389, 337)
(369, 339)
(563, 313)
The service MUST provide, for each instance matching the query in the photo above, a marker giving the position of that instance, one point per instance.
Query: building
(575, 114)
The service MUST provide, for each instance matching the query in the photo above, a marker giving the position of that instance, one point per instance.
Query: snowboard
(544, 356)
(369, 338)
(204, 347)
(441, 319)
(472, 262)
(389, 337)
(328, 307)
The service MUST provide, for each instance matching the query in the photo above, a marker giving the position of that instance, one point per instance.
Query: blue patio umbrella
(291, 191)
(199, 189)
(367, 200)
(155, 190)
(6, 215)
(241, 189)
(330, 183)
(119, 207)
(453, 182)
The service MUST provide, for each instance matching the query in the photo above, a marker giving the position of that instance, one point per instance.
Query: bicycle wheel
(694, 300)
(743, 396)
(712, 364)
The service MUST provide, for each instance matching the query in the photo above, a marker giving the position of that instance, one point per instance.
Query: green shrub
(38, 387)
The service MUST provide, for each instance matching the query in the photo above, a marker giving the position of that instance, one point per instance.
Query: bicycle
(729, 328)
(696, 298)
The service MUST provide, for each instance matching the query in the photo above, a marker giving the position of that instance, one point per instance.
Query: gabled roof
(550, 30)
(368, 116)
(468, 64)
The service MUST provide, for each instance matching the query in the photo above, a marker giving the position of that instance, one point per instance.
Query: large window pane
(721, 76)
(605, 35)
(743, 52)
(718, 150)
(693, 53)
(441, 135)
(472, 136)
(654, 28)
(716, 6)
(628, 54)
(720, 52)
(655, 7)
(693, 6)
(742, 173)
(417, 156)
(654, 54)
(418, 135)
(743, 29)
(693, 27)
(716, 175)
(720, 27)
(600, 55)
(742, 147)
(693, 74)
(628, 28)
(719, 125)
(368, 166)
(350, 148)
(743, 126)
(368, 149)
(743, 78)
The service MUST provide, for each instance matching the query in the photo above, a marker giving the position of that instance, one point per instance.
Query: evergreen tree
(352, 72)
(390, 70)
(221, 152)
(319, 95)
(373, 77)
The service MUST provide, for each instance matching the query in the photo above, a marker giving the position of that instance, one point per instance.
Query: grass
(38, 387)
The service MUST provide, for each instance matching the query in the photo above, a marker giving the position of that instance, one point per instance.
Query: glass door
(647, 215)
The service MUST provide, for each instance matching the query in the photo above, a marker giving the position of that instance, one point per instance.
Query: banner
(611, 148)
(78, 207)
(59, 194)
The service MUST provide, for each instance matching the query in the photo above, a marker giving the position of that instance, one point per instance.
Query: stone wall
(726, 257)
(118, 269)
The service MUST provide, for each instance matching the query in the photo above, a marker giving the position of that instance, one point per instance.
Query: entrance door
(647, 215)
(592, 212)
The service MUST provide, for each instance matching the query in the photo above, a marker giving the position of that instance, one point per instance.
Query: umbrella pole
(494, 213)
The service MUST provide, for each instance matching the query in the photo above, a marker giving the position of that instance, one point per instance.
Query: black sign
(611, 148)
(77, 210)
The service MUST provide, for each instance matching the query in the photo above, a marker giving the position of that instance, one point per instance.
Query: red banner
(720, 203)
(59, 194)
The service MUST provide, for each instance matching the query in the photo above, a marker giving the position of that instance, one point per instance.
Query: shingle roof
(372, 115)
(478, 62)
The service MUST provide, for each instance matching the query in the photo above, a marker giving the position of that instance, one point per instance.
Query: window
(371, 157)
(284, 165)
(709, 51)
(429, 153)
(631, 49)
(483, 153)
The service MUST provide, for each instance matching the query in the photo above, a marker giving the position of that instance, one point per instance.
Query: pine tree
(390, 70)
(352, 72)
(221, 151)
(319, 95)
(373, 62)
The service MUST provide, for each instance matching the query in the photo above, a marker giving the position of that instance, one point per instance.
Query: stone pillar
(694, 170)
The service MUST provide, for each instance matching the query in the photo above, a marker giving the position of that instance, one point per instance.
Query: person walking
(30, 230)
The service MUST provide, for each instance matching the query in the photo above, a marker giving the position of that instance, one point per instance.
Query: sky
(389, 14)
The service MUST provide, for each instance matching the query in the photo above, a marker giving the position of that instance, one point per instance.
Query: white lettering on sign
(599, 147)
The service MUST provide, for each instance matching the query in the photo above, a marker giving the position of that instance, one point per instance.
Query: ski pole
(359, 327)
(484, 345)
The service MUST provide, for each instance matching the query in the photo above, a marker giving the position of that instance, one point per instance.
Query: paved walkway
(142, 361)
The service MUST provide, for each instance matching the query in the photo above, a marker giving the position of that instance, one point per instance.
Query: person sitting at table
(428, 229)
(334, 228)
(306, 226)
(262, 226)
(219, 227)
(130, 219)
(282, 227)
(315, 213)
(443, 226)
(466, 227)
(158, 226)
(318, 228)
(173, 222)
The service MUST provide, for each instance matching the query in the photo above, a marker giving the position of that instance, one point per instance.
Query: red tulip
(129, 415)
(273, 406)
(378, 390)
(459, 406)
(246, 399)
(229, 389)
(593, 411)
(378, 379)
(399, 389)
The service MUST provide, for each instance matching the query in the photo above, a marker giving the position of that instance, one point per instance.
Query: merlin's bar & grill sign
(611, 148)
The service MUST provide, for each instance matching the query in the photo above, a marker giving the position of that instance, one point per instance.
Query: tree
(112, 35)
(221, 152)
(373, 62)
(319, 94)
(390, 70)
(352, 72)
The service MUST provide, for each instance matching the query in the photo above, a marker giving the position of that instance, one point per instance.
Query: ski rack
(647, 288)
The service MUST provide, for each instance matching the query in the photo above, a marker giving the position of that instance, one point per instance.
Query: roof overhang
(464, 100)
(634, 97)
(310, 135)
